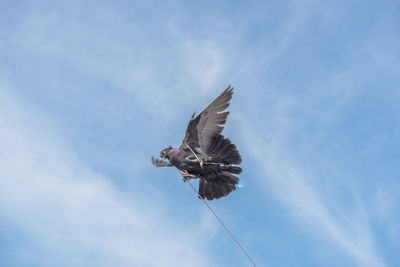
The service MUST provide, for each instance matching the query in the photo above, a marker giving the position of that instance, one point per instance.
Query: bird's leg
(187, 176)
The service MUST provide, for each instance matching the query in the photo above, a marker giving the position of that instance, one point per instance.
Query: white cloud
(289, 184)
(386, 206)
(202, 60)
(53, 182)
(154, 70)
(73, 212)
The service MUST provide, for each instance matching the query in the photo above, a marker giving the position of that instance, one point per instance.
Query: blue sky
(90, 90)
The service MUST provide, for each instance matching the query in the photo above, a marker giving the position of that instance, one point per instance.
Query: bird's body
(205, 153)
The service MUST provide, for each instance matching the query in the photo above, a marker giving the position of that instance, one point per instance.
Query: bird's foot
(187, 176)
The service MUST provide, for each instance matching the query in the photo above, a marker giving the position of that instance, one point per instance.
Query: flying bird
(205, 153)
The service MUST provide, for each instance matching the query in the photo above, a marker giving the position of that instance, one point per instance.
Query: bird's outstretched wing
(209, 123)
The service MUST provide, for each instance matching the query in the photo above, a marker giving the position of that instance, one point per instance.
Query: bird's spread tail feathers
(217, 188)
(222, 182)
(223, 151)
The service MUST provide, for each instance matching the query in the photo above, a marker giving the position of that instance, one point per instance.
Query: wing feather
(208, 123)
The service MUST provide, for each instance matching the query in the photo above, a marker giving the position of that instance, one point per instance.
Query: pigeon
(205, 154)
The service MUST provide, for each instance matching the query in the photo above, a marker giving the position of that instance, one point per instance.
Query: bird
(205, 154)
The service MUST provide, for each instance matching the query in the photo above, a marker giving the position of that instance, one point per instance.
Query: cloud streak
(288, 184)
(150, 68)
(70, 210)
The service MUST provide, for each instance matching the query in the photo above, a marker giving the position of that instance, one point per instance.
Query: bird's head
(165, 153)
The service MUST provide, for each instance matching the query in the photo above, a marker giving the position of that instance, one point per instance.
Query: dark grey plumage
(216, 153)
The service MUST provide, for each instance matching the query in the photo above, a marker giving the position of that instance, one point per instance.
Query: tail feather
(217, 187)
(220, 181)
(231, 169)
(221, 149)
(232, 178)
(209, 192)
(202, 188)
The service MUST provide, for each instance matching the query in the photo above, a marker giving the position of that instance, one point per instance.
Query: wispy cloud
(288, 183)
(70, 210)
(286, 176)
(154, 70)
(167, 62)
